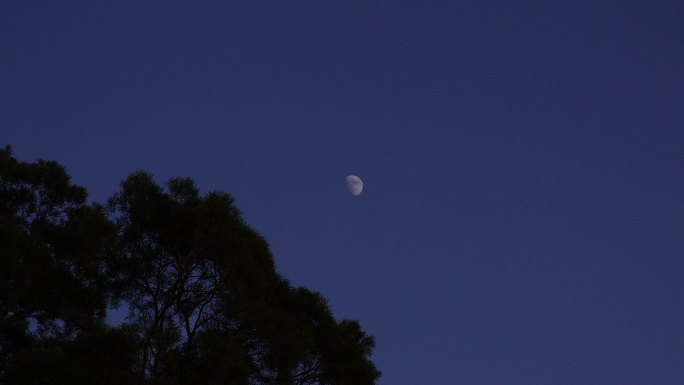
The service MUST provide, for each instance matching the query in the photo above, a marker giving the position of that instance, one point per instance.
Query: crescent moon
(354, 184)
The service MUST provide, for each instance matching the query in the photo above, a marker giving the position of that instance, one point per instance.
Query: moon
(354, 184)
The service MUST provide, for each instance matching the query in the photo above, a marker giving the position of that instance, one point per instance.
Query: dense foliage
(205, 303)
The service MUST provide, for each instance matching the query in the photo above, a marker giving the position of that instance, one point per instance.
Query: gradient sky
(522, 219)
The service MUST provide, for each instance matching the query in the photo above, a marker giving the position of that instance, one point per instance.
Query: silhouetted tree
(59, 265)
(205, 302)
(204, 289)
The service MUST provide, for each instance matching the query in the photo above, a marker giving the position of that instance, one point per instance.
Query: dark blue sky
(522, 220)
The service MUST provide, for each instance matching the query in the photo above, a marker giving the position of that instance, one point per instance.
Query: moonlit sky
(522, 219)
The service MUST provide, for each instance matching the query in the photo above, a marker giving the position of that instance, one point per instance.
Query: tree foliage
(205, 303)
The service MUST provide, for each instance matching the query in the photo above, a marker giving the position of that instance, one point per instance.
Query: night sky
(522, 218)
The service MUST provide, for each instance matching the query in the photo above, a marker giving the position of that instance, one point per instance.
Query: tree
(59, 266)
(205, 302)
(204, 289)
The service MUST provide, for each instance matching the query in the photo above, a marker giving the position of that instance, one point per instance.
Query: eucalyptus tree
(205, 303)
(59, 266)
(208, 304)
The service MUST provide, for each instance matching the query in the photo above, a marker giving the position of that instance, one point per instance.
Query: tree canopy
(205, 302)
